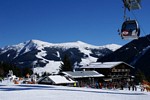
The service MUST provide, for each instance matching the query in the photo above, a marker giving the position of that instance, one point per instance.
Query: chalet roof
(57, 79)
(81, 74)
(104, 65)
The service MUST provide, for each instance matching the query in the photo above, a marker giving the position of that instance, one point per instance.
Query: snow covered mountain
(136, 53)
(44, 56)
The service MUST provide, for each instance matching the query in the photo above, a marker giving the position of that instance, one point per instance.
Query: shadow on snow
(35, 87)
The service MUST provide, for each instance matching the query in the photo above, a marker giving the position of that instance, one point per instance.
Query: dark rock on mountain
(35, 53)
(136, 53)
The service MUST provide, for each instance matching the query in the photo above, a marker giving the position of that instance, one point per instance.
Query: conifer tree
(1, 72)
(66, 65)
(139, 76)
(5, 67)
(27, 70)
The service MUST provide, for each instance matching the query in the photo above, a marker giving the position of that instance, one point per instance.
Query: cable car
(130, 30)
(132, 4)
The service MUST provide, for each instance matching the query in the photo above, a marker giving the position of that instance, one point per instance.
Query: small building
(56, 80)
(113, 71)
(84, 78)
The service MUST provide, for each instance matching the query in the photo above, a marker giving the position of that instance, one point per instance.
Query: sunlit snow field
(49, 92)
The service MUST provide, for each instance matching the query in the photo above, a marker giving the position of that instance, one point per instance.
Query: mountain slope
(47, 56)
(136, 53)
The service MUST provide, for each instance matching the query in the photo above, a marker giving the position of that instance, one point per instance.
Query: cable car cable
(130, 28)
(141, 26)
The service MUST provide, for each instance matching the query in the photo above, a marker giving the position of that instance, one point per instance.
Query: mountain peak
(112, 46)
(81, 42)
(38, 42)
(48, 55)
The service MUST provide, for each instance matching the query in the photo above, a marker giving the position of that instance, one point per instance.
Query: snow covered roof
(104, 65)
(80, 74)
(57, 79)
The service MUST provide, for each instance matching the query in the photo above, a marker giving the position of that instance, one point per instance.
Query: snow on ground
(49, 92)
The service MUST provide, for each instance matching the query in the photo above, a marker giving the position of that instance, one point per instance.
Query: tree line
(22, 71)
(18, 71)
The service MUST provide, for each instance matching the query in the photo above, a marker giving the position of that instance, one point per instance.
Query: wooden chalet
(113, 71)
(56, 80)
(84, 78)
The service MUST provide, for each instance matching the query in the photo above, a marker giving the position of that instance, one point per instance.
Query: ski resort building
(113, 71)
(56, 80)
(84, 78)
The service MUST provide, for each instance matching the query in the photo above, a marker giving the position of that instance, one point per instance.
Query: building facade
(113, 71)
(84, 78)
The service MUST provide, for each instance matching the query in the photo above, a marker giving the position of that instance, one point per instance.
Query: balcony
(120, 70)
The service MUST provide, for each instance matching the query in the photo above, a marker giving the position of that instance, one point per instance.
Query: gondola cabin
(130, 30)
(132, 4)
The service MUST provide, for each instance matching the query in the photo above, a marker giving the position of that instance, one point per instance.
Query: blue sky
(92, 21)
